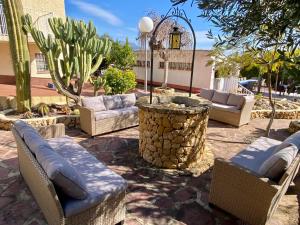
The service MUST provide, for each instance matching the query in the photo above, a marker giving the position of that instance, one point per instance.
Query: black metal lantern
(175, 38)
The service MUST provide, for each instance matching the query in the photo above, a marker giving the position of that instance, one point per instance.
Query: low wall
(70, 121)
(9, 102)
(280, 114)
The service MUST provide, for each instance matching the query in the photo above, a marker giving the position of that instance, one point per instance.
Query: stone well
(173, 130)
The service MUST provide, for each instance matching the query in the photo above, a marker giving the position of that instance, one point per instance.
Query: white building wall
(203, 73)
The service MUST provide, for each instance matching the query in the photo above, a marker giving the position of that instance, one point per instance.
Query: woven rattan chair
(109, 212)
(245, 194)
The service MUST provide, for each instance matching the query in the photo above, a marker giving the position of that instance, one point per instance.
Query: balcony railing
(3, 27)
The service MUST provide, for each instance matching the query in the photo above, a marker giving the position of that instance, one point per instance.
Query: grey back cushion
(206, 93)
(220, 97)
(61, 172)
(34, 140)
(95, 103)
(128, 100)
(236, 100)
(275, 166)
(23, 127)
(112, 102)
(293, 139)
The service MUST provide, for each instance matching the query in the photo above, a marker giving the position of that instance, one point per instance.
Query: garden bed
(285, 109)
(69, 120)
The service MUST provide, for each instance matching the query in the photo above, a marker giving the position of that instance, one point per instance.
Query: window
(140, 63)
(3, 27)
(41, 64)
(176, 66)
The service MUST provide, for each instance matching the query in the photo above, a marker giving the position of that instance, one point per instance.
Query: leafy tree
(122, 55)
(118, 81)
(257, 26)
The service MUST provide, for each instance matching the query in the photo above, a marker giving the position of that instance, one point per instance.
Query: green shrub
(118, 81)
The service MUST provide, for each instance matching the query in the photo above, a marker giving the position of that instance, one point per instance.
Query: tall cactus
(71, 53)
(19, 52)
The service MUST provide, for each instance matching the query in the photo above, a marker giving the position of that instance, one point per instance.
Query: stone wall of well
(172, 141)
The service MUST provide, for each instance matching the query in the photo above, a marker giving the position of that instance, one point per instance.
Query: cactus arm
(13, 11)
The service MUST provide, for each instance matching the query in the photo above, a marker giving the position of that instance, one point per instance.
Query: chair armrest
(248, 104)
(87, 120)
(242, 179)
(243, 193)
(52, 131)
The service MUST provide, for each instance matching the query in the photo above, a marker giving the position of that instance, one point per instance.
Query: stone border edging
(280, 114)
(68, 120)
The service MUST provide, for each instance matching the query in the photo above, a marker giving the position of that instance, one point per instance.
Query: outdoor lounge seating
(102, 198)
(243, 187)
(228, 108)
(103, 114)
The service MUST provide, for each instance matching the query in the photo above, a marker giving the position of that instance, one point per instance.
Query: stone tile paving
(162, 197)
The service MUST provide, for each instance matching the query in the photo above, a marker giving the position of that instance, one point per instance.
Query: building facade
(180, 64)
(40, 11)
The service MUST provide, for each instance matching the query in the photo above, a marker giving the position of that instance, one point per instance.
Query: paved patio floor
(155, 196)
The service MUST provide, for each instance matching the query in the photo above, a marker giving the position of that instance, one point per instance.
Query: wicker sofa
(103, 114)
(105, 203)
(229, 108)
(239, 189)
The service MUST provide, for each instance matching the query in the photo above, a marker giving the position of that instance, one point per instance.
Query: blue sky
(119, 18)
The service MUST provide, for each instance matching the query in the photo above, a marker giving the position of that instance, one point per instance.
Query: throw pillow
(220, 97)
(95, 103)
(112, 102)
(236, 100)
(128, 100)
(206, 93)
(61, 172)
(278, 163)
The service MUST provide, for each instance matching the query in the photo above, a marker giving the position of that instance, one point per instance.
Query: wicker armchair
(109, 212)
(245, 194)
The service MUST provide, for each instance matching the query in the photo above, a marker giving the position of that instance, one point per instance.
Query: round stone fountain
(172, 131)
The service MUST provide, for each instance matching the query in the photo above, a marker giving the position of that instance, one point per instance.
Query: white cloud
(97, 11)
(202, 40)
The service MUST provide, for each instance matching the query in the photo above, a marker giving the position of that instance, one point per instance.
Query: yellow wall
(37, 9)
(5, 60)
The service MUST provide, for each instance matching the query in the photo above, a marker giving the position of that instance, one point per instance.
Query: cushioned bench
(229, 108)
(101, 202)
(103, 114)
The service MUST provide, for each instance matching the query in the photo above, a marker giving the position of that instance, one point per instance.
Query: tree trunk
(271, 104)
(276, 83)
(166, 74)
(260, 78)
(19, 52)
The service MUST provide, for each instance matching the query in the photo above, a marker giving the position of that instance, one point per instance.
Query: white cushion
(95, 103)
(228, 108)
(278, 163)
(112, 102)
(256, 154)
(108, 114)
(128, 100)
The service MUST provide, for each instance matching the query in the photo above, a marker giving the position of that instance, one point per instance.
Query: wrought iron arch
(178, 13)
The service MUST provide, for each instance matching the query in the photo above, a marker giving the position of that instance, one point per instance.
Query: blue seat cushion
(101, 183)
